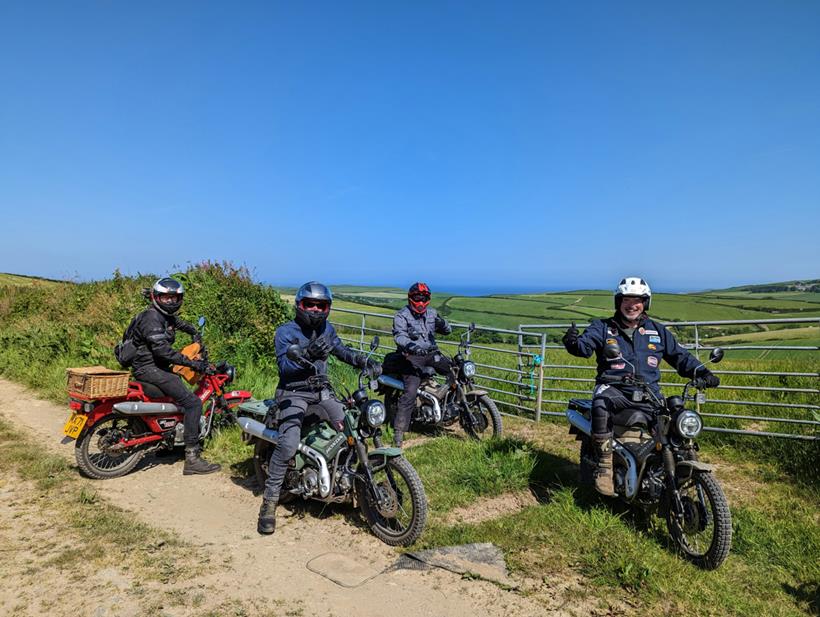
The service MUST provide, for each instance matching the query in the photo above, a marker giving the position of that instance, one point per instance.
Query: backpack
(126, 350)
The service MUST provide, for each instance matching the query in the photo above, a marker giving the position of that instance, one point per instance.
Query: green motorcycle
(334, 466)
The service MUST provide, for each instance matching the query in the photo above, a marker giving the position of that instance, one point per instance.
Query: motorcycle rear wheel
(261, 459)
(706, 534)
(95, 449)
(484, 409)
(400, 519)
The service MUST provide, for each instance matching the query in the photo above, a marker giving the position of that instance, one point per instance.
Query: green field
(509, 311)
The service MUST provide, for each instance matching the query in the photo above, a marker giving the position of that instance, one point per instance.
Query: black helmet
(166, 295)
(313, 302)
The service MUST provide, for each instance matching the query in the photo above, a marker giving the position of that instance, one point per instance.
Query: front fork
(361, 452)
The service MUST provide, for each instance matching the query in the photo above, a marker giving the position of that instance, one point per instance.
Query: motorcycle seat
(150, 390)
(584, 405)
(631, 417)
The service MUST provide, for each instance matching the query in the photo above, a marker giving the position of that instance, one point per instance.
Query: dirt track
(218, 514)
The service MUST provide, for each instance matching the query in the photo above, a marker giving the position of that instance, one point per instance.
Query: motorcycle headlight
(689, 424)
(374, 413)
(469, 369)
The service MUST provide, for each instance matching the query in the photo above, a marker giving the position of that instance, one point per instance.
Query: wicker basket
(92, 382)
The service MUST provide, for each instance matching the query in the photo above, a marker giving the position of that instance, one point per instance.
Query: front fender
(686, 469)
(478, 393)
(378, 458)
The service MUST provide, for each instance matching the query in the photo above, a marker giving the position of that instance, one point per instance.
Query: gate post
(540, 395)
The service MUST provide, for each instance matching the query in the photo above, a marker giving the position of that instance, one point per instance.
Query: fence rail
(530, 382)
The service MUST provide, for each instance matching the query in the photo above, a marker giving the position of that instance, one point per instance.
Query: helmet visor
(318, 306)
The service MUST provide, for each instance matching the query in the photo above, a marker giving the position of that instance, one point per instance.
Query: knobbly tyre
(332, 466)
(457, 399)
(656, 465)
(113, 434)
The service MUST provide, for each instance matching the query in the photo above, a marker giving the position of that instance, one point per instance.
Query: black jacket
(650, 343)
(154, 334)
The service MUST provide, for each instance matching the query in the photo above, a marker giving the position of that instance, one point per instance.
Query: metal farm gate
(530, 374)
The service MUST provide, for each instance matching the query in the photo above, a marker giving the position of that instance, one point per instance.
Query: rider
(643, 342)
(303, 386)
(153, 332)
(414, 329)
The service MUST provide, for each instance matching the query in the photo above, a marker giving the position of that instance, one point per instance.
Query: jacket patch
(612, 331)
(654, 339)
(652, 361)
(652, 346)
(611, 341)
(648, 331)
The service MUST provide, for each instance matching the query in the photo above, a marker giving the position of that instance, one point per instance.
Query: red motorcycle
(113, 434)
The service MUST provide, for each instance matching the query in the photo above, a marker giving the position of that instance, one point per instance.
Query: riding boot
(603, 473)
(195, 465)
(398, 438)
(267, 517)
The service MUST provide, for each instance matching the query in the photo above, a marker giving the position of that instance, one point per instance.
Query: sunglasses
(322, 305)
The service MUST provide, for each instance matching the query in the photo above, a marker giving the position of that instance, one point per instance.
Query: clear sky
(503, 145)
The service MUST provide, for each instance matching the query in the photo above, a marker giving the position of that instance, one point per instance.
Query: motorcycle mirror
(374, 344)
(612, 351)
(294, 352)
(716, 355)
(201, 321)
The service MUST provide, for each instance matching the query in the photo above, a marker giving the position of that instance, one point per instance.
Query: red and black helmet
(418, 297)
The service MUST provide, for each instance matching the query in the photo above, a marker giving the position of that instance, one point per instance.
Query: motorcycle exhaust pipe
(321, 463)
(392, 382)
(257, 429)
(434, 402)
(138, 409)
(580, 422)
(630, 479)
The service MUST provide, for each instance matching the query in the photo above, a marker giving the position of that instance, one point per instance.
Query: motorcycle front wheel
(97, 453)
(481, 419)
(704, 536)
(399, 516)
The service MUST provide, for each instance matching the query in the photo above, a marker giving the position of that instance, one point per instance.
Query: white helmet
(633, 286)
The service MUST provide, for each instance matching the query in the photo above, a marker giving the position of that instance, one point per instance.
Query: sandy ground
(217, 514)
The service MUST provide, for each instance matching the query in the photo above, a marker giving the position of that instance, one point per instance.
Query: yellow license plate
(75, 425)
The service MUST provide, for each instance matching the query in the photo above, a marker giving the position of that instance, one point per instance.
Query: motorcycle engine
(309, 482)
(652, 484)
(451, 412)
(426, 413)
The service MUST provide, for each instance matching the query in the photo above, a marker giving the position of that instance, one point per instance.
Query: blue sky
(543, 145)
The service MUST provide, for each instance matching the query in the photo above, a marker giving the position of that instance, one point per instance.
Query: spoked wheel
(704, 531)
(399, 515)
(98, 452)
(261, 460)
(481, 418)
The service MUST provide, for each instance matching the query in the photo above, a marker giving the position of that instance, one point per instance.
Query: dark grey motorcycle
(656, 466)
(457, 399)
